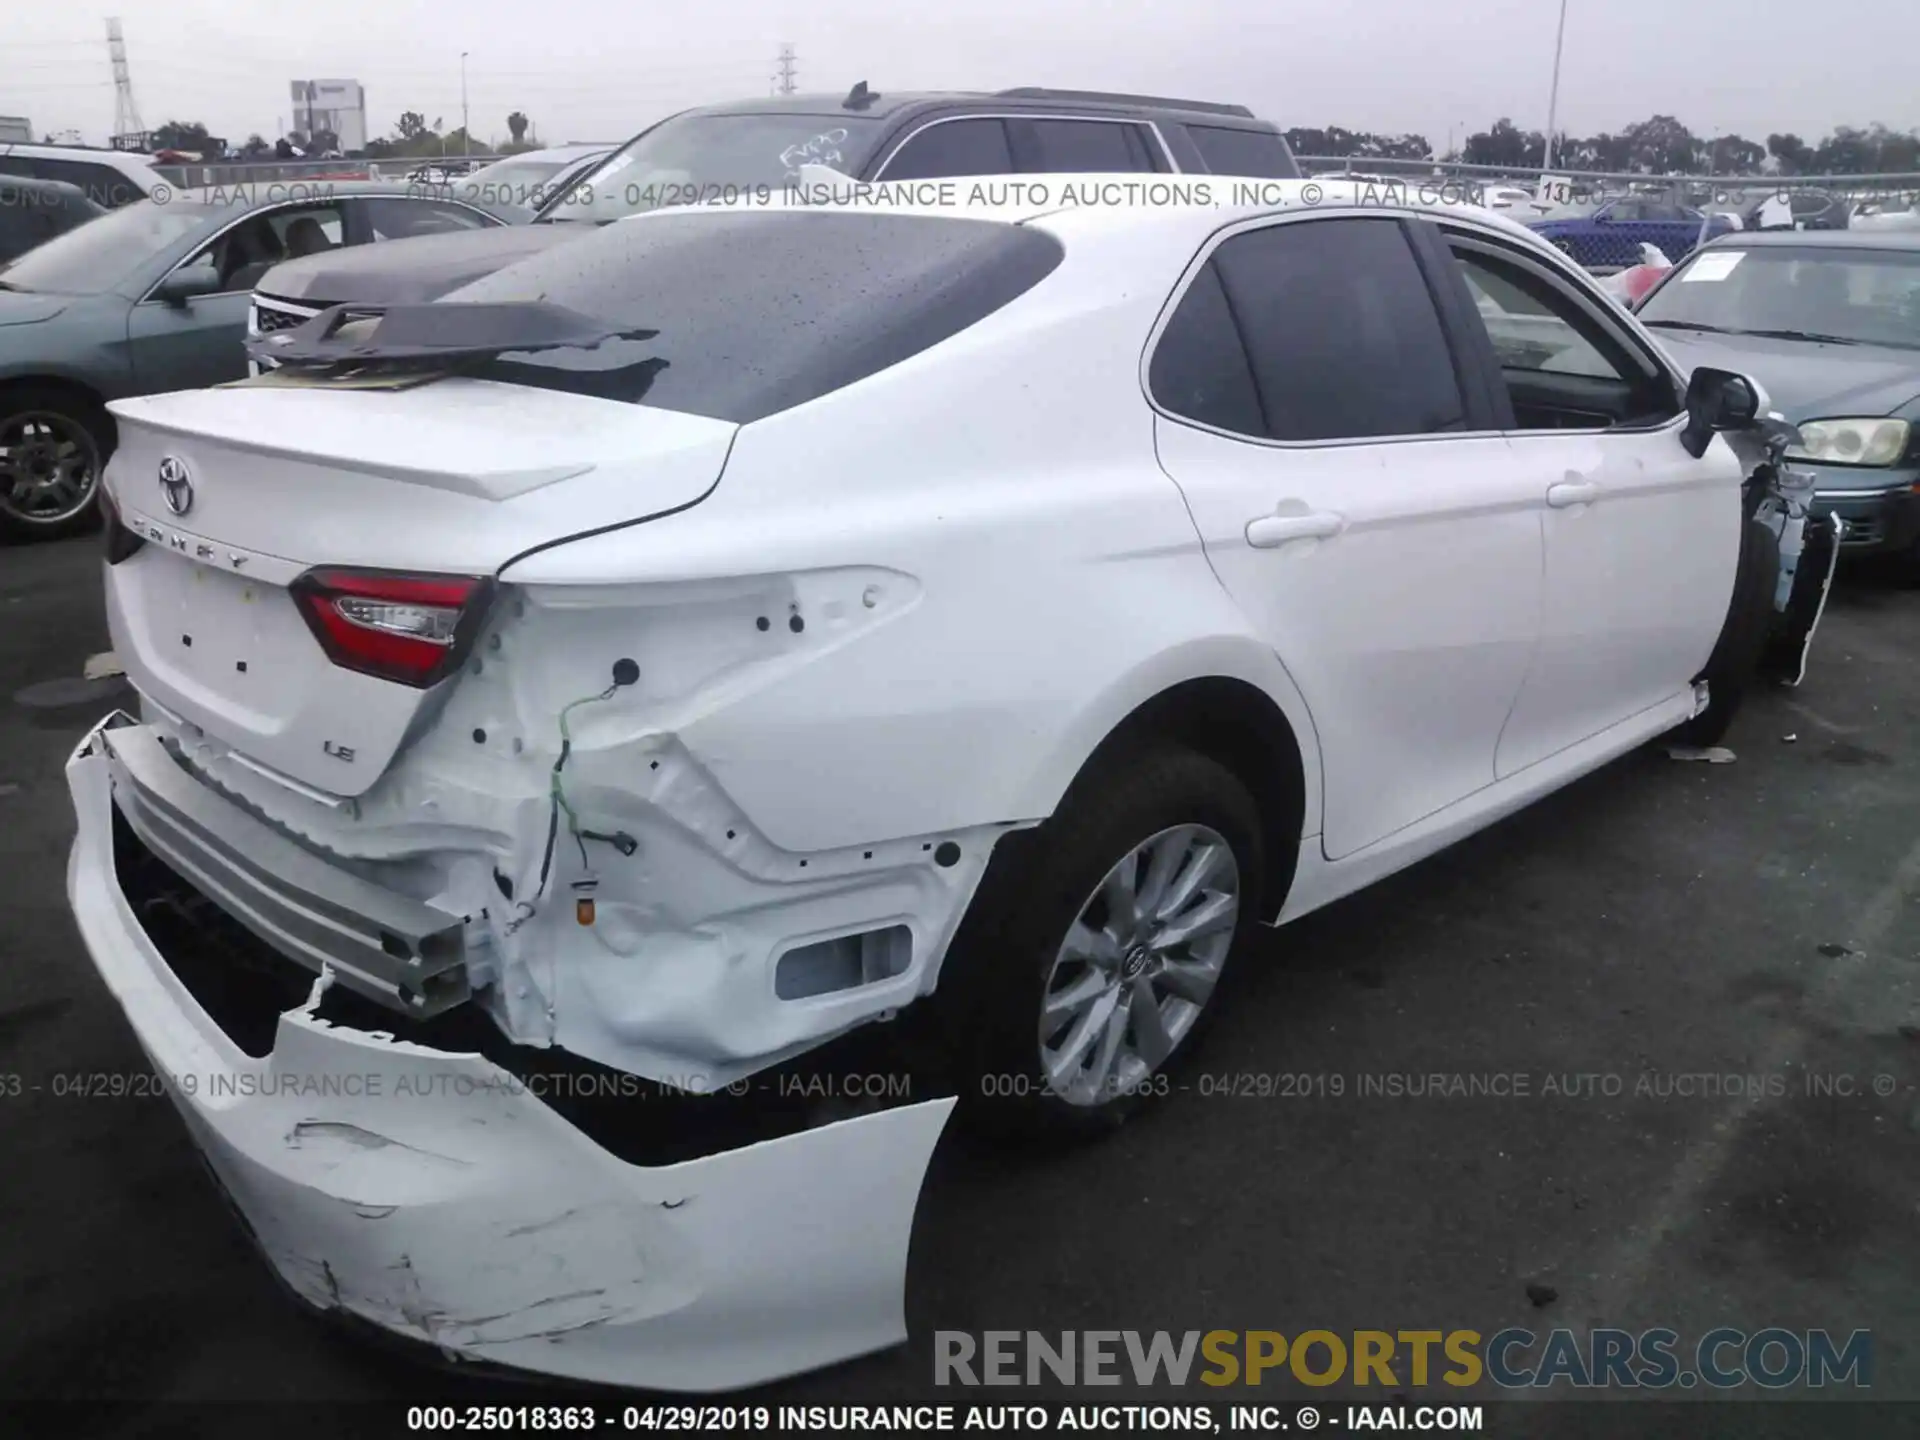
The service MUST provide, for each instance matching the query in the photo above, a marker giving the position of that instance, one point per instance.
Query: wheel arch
(1243, 711)
(67, 385)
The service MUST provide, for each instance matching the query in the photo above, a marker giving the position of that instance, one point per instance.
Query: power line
(785, 74)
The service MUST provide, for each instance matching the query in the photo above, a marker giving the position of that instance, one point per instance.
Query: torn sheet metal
(622, 904)
(436, 1196)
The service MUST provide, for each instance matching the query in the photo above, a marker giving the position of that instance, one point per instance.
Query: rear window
(757, 312)
(1257, 154)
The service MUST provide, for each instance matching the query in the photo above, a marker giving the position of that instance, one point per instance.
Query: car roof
(1199, 203)
(1816, 240)
(141, 165)
(1026, 97)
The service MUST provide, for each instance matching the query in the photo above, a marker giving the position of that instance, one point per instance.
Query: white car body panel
(1610, 644)
(874, 632)
(1373, 622)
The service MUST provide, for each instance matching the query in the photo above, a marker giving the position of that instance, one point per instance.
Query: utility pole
(126, 114)
(785, 77)
(1553, 96)
(466, 139)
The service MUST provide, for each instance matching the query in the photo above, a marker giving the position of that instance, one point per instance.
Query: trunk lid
(456, 478)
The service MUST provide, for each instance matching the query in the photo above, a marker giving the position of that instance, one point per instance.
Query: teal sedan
(153, 297)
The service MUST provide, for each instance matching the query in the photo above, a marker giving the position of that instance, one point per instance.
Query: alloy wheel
(49, 467)
(1138, 964)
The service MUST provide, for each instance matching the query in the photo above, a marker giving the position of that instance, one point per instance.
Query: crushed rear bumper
(437, 1196)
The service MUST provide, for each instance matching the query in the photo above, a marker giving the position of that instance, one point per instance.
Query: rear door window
(1342, 331)
(1200, 370)
(1044, 146)
(1257, 154)
(952, 148)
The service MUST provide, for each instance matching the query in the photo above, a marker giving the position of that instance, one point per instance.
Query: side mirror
(188, 282)
(1719, 400)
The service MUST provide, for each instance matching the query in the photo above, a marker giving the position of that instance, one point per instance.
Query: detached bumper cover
(433, 1195)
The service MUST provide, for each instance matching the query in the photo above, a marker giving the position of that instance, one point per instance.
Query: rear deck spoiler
(439, 333)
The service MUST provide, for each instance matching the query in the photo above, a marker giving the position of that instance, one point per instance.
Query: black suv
(754, 148)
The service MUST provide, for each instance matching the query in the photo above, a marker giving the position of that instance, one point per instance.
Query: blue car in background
(1608, 235)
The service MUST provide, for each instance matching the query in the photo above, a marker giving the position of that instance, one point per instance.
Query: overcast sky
(601, 69)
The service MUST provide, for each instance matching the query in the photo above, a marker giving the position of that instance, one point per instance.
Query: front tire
(1093, 959)
(53, 447)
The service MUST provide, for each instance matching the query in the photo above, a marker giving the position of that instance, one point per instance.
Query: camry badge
(176, 485)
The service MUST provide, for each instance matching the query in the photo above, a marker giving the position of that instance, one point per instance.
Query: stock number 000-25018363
(681, 1419)
(1023, 1087)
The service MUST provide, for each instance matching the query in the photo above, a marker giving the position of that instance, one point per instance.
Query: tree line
(412, 138)
(1659, 145)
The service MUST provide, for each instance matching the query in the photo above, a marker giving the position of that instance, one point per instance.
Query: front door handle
(1572, 492)
(1266, 531)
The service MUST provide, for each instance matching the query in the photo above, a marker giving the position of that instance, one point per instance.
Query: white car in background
(1901, 213)
(1512, 197)
(529, 689)
(110, 178)
(530, 178)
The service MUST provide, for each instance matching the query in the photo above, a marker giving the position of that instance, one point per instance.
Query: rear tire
(1045, 958)
(1731, 668)
(54, 444)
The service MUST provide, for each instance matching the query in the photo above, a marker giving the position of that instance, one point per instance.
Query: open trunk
(315, 561)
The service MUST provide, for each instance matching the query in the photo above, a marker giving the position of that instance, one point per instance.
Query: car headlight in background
(1852, 442)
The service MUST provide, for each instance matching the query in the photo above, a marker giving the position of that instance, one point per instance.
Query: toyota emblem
(176, 485)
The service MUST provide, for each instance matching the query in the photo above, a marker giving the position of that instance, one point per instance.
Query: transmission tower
(126, 114)
(785, 75)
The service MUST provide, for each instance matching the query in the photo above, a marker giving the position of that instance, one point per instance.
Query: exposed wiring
(557, 793)
(625, 673)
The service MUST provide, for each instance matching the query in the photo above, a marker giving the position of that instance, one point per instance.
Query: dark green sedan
(153, 297)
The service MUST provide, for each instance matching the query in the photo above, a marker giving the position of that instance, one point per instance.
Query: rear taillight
(411, 629)
(121, 540)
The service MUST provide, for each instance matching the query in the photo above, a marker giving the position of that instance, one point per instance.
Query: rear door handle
(1266, 531)
(1572, 492)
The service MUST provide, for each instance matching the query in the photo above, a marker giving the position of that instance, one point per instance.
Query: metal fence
(1605, 184)
(262, 172)
(1725, 200)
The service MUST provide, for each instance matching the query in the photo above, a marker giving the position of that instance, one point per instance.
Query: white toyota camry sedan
(680, 651)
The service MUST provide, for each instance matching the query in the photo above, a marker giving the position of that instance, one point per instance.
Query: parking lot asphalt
(1758, 920)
